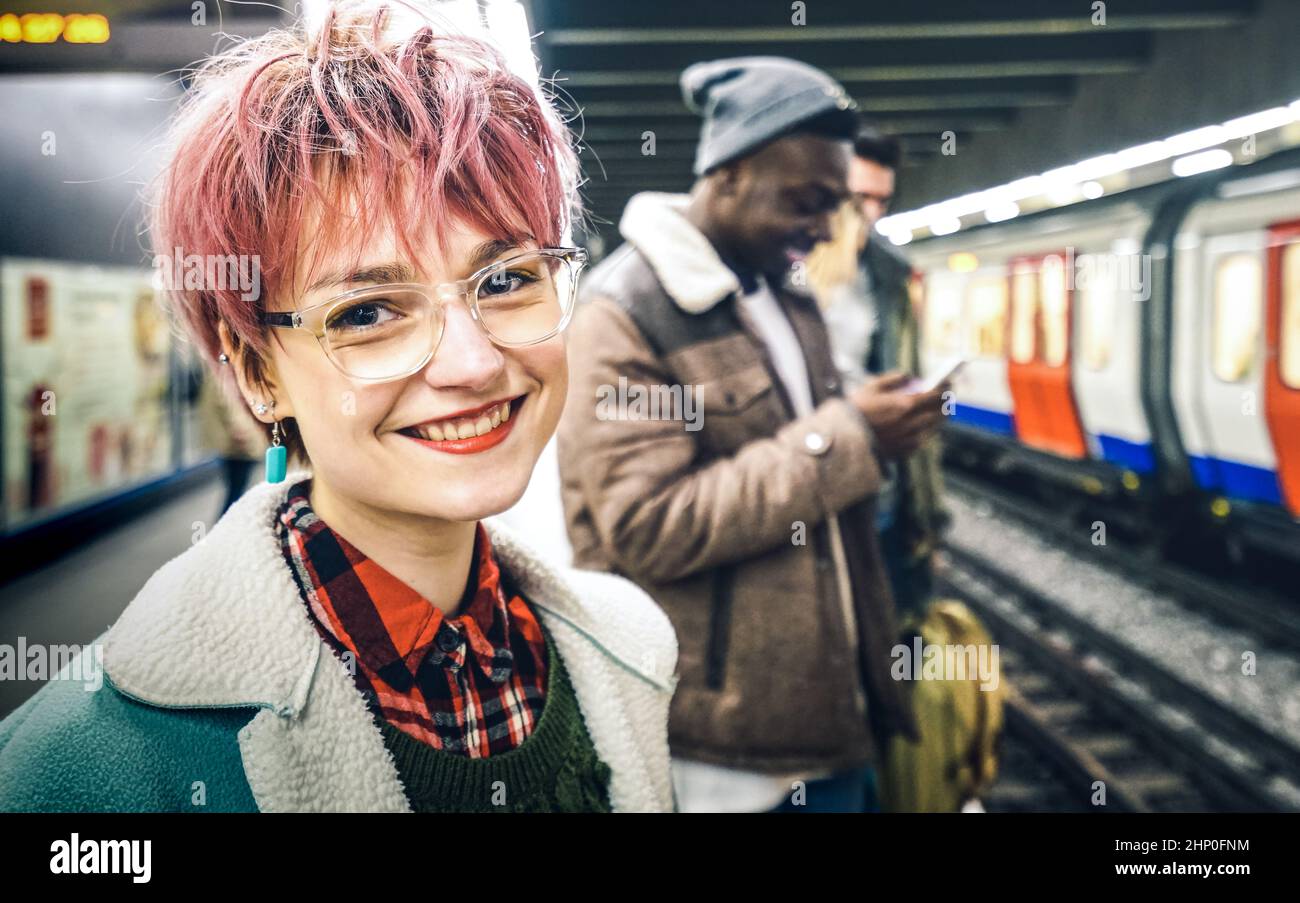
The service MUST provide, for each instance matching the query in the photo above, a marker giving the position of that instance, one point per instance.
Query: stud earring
(277, 456)
(223, 357)
(261, 408)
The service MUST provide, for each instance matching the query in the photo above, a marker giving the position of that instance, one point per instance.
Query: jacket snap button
(816, 443)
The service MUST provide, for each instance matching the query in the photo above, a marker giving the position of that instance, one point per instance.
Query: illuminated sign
(46, 28)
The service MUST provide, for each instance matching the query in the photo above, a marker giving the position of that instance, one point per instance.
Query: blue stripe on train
(985, 418)
(1233, 478)
(1237, 480)
(1136, 456)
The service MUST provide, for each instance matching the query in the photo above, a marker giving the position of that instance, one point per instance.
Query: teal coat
(71, 749)
(218, 694)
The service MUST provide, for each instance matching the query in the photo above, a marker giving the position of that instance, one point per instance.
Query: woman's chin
(475, 501)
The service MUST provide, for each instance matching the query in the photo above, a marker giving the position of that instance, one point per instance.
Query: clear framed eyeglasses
(385, 332)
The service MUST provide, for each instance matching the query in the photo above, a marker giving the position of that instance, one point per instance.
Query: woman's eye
(506, 281)
(363, 316)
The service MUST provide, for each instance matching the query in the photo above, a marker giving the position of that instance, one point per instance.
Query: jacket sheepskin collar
(688, 268)
(223, 625)
(684, 261)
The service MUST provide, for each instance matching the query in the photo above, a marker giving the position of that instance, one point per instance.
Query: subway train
(1139, 351)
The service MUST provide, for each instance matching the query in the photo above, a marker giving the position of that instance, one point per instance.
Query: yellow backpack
(960, 724)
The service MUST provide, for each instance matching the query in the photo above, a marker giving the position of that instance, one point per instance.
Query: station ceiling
(917, 69)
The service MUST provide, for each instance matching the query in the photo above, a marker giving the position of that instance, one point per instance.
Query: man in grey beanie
(743, 500)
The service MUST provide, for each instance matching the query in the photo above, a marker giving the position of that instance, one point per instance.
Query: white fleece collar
(224, 625)
(687, 266)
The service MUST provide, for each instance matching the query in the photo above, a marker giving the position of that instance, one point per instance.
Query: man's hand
(900, 419)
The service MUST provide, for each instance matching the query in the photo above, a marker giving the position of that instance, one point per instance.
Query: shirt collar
(409, 627)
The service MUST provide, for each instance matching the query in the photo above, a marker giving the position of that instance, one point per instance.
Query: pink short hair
(288, 118)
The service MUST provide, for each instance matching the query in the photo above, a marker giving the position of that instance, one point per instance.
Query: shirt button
(816, 443)
(448, 639)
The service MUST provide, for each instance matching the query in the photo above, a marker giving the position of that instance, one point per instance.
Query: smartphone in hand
(944, 372)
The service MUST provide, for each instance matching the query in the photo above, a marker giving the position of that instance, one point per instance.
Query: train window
(1098, 302)
(1289, 342)
(943, 318)
(988, 316)
(1024, 314)
(1055, 319)
(1237, 301)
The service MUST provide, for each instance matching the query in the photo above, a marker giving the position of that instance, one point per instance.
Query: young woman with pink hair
(355, 635)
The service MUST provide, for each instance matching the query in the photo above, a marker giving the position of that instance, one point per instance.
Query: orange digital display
(47, 28)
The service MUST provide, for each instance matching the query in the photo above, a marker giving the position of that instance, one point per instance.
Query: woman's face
(364, 439)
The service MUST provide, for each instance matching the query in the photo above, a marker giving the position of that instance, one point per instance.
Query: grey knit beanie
(750, 101)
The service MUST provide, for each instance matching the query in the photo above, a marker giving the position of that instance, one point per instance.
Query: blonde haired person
(838, 282)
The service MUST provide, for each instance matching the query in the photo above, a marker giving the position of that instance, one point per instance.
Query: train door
(982, 394)
(1229, 381)
(964, 315)
(1107, 300)
(1282, 376)
(939, 313)
(1038, 365)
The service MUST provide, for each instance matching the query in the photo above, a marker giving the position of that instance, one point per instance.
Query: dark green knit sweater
(555, 769)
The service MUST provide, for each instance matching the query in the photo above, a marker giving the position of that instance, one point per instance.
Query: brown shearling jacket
(726, 525)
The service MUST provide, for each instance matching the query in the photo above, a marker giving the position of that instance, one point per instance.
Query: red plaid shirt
(473, 684)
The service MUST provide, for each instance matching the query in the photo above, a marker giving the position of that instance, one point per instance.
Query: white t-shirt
(702, 787)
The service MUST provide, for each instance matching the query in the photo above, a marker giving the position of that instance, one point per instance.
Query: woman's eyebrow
(383, 273)
(492, 249)
(376, 274)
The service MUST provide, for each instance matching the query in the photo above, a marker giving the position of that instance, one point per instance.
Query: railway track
(1266, 615)
(1092, 710)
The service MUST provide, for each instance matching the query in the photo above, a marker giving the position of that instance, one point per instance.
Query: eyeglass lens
(389, 332)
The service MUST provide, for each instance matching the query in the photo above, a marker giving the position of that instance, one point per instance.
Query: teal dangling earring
(277, 456)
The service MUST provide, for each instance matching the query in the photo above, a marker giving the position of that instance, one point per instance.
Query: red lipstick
(473, 444)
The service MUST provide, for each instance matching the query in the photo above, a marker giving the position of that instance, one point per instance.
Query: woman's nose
(465, 357)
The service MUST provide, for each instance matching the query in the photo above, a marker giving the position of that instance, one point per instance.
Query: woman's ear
(255, 382)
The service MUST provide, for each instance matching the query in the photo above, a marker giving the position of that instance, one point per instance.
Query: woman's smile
(468, 432)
